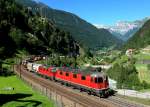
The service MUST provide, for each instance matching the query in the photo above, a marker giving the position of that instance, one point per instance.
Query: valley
(30, 29)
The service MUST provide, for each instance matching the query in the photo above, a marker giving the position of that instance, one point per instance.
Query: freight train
(93, 82)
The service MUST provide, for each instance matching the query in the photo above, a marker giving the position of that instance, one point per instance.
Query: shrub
(148, 66)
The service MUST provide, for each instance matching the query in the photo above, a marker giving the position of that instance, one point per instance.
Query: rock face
(125, 29)
(141, 38)
(83, 32)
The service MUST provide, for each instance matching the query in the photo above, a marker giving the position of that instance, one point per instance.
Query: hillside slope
(21, 29)
(84, 32)
(141, 38)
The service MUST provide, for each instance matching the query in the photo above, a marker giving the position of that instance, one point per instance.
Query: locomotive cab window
(61, 73)
(83, 78)
(98, 80)
(74, 75)
(67, 74)
(92, 79)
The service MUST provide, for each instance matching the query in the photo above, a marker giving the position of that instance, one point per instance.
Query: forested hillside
(85, 33)
(21, 29)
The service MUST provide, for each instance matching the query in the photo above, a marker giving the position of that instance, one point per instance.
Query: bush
(145, 85)
(6, 72)
(148, 66)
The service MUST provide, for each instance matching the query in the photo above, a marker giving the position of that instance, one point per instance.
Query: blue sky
(105, 12)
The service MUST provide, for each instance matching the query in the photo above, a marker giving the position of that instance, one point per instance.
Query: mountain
(141, 38)
(85, 33)
(21, 29)
(125, 29)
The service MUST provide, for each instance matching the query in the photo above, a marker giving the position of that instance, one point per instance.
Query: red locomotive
(92, 81)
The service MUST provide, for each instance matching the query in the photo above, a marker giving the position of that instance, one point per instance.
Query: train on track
(93, 81)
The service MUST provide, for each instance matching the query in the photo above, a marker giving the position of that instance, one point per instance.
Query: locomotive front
(100, 83)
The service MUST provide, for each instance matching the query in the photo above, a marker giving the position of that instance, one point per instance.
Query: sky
(105, 12)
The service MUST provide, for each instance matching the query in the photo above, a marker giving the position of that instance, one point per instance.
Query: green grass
(145, 90)
(142, 56)
(22, 95)
(141, 67)
(144, 73)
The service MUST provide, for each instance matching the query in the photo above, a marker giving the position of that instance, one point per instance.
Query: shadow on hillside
(5, 98)
(6, 73)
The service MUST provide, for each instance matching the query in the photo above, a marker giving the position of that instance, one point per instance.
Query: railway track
(117, 101)
(124, 102)
(86, 102)
(81, 98)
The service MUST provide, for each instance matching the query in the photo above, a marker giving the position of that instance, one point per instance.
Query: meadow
(15, 93)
